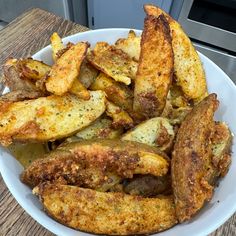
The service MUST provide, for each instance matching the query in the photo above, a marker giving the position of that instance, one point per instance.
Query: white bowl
(215, 213)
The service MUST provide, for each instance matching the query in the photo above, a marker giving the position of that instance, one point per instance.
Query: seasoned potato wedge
(191, 161)
(56, 44)
(33, 69)
(155, 68)
(188, 68)
(130, 45)
(120, 117)
(113, 62)
(79, 90)
(106, 213)
(48, 118)
(101, 128)
(155, 132)
(88, 163)
(117, 93)
(66, 69)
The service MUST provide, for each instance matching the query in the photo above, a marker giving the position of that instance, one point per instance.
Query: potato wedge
(79, 90)
(66, 69)
(88, 163)
(101, 128)
(48, 118)
(191, 161)
(33, 69)
(56, 44)
(120, 117)
(155, 68)
(106, 213)
(155, 132)
(113, 62)
(188, 68)
(117, 93)
(130, 45)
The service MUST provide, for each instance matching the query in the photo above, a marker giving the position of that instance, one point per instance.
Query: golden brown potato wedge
(113, 62)
(66, 69)
(79, 90)
(89, 163)
(188, 68)
(155, 132)
(48, 118)
(117, 93)
(106, 213)
(191, 161)
(57, 45)
(33, 69)
(120, 117)
(130, 45)
(155, 68)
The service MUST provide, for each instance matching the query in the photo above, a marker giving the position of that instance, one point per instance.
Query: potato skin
(106, 213)
(191, 161)
(155, 68)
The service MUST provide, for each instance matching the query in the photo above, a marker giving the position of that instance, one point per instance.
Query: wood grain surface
(23, 37)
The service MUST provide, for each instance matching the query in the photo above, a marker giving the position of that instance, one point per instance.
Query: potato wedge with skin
(120, 117)
(33, 69)
(155, 132)
(117, 93)
(188, 68)
(191, 161)
(155, 68)
(130, 45)
(89, 163)
(48, 118)
(79, 90)
(56, 44)
(113, 62)
(66, 69)
(106, 213)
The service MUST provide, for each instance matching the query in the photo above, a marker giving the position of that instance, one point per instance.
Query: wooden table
(23, 37)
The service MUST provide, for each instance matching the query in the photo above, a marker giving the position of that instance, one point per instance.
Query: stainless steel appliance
(211, 24)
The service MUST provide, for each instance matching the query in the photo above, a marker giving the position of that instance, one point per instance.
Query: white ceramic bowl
(215, 213)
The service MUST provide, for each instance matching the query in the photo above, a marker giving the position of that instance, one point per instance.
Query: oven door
(210, 21)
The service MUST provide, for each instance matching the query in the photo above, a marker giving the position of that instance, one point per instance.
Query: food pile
(132, 145)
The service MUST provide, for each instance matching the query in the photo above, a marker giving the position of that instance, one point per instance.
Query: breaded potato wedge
(79, 90)
(56, 44)
(106, 213)
(120, 117)
(192, 159)
(155, 68)
(48, 118)
(188, 69)
(155, 132)
(101, 128)
(89, 163)
(130, 45)
(66, 69)
(116, 92)
(33, 69)
(113, 62)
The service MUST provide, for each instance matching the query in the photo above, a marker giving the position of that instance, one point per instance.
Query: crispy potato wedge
(101, 128)
(106, 213)
(48, 118)
(155, 132)
(120, 117)
(79, 90)
(66, 69)
(192, 155)
(33, 69)
(130, 45)
(155, 68)
(113, 62)
(117, 93)
(56, 44)
(88, 163)
(188, 68)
